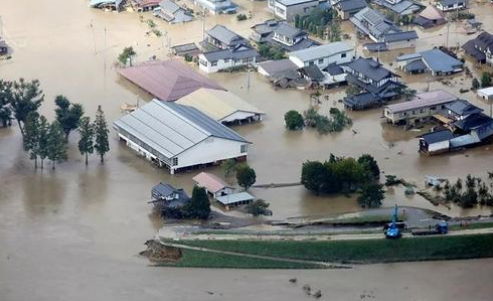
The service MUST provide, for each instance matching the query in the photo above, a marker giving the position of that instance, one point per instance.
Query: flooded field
(73, 233)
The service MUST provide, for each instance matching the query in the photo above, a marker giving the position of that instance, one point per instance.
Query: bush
(246, 177)
(258, 207)
(241, 17)
(371, 196)
(293, 120)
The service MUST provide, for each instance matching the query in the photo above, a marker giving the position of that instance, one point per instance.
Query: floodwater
(73, 234)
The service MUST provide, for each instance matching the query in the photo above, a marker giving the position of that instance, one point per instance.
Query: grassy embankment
(357, 251)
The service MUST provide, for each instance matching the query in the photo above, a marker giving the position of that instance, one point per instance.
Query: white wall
(210, 150)
(326, 60)
(439, 146)
(207, 67)
(238, 115)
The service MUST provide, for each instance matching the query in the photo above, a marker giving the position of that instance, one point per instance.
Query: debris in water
(317, 295)
(307, 289)
(293, 280)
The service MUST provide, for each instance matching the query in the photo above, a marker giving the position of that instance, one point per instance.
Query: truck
(440, 228)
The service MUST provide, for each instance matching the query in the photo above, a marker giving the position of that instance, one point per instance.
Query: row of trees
(469, 192)
(245, 175)
(321, 23)
(337, 121)
(484, 83)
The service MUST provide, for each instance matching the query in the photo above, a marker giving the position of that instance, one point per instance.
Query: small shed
(189, 49)
(435, 142)
(213, 184)
(236, 199)
(486, 93)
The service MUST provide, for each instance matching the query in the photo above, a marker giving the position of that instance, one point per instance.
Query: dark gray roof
(439, 61)
(403, 7)
(287, 30)
(362, 101)
(164, 189)
(313, 72)
(334, 69)
(189, 48)
(169, 6)
(415, 66)
(237, 53)
(351, 5)
(375, 47)
(370, 68)
(462, 107)
(473, 122)
(452, 2)
(294, 2)
(437, 136)
(274, 67)
(470, 49)
(400, 36)
(224, 35)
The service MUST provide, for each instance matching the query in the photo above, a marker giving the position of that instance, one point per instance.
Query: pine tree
(101, 131)
(26, 98)
(199, 206)
(31, 137)
(44, 132)
(86, 142)
(57, 145)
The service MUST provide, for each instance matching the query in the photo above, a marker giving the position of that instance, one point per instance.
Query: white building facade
(324, 55)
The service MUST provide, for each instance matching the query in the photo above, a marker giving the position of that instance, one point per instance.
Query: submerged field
(345, 252)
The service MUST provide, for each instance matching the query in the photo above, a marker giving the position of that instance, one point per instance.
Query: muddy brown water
(73, 234)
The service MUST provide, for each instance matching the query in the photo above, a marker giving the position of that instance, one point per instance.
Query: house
(189, 49)
(377, 83)
(480, 48)
(179, 137)
(430, 17)
(448, 5)
(323, 55)
(222, 106)
(421, 108)
(223, 59)
(168, 199)
(461, 109)
(172, 12)
(213, 184)
(144, 5)
(434, 61)
(167, 80)
(435, 142)
(385, 34)
(486, 93)
(216, 6)
(400, 7)
(478, 127)
(348, 8)
(288, 9)
(236, 199)
(281, 35)
(107, 4)
(221, 37)
(271, 68)
(4, 48)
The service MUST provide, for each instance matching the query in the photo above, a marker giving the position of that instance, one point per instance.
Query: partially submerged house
(236, 199)
(434, 61)
(288, 9)
(216, 6)
(324, 55)
(167, 80)
(4, 48)
(461, 109)
(221, 37)
(271, 68)
(179, 137)
(169, 200)
(449, 5)
(189, 49)
(421, 108)
(172, 12)
(430, 17)
(222, 59)
(144, 5)
(107, 4)
(480, 48)
(400, 7)
(223, 106)
(436, 142)
(385, 34)
(348, 8)
(486, 93)
(282, 35)
(377, 83)
(214, 185)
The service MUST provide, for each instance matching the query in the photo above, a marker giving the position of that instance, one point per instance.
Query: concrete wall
(401, 44)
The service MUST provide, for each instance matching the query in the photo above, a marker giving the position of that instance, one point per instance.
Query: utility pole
(248, 77)
(448, 33)
(93, 39)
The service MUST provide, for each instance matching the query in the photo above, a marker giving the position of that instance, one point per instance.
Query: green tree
(371, 196)
(44, 133)
(26, 98)
(199, 206)
(293, 120)
(370, 164)
(469, 198)
(485, 79)
(313, 176)
(408, 94)
(68, 114)
(257, 207)
(101, 145)
(57, 145)
(476, 84)
(126, 55)
(86, 141)
(31, 137)
(229, 166)
(246, 177)
(6, 95)
(350, 172)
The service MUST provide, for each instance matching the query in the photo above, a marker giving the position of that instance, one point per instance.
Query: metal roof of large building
(217, 104)
(316, 52)
(167, 80)
(171, 128)
(423, 100)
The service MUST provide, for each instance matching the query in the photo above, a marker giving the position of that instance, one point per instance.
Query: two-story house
(324, 55)
(400, 7)
(481, 48)
(169, 200)
(449, 5)
(348, 8)
(216, 6)
(282, 35)
(221, 37)
(288, 9)
(378, 84)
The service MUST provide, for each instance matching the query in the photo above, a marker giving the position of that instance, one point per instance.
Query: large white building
(179, 137)
(288, 9)
(322, 56)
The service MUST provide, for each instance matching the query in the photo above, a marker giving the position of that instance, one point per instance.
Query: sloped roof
(287, 30)
(400, 36)
(239, 52)
(169, 6)
(171, 128)
(223, 34)
(474, 121)
(164, 189)
(370, 68)
(438, 60)
(320, 51)
(235, 198)
(210, 182)
(423, 100)
(351, 5)
(437, 136)
(273, 67)
(167, 80)
(217, 104)
(452, 2)
(432, 13)
(463, 107)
